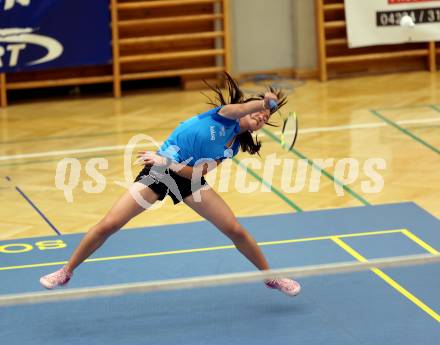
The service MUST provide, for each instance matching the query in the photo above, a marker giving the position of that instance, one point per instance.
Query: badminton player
(216, 135)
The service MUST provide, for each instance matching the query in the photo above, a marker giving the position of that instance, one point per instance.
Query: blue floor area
(356, 308)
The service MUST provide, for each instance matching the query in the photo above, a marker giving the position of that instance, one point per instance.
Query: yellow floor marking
(198, 250)
(388, 280)
(420, 242)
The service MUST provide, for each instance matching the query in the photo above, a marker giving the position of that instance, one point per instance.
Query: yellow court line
(388, 280)
(420, 242)
(329, 237)
(207, 249)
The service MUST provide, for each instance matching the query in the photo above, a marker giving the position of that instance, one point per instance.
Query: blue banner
(45, 34)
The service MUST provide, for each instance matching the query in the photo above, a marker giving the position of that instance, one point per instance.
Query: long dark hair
(235, 96)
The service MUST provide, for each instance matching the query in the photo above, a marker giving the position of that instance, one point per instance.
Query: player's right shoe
(287, 286)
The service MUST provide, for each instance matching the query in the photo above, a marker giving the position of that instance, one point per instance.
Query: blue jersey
(203, 136)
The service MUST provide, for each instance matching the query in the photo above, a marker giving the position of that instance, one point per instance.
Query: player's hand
(149, 158)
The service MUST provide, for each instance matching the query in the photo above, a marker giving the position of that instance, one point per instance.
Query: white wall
(272, 34)
(303, 18)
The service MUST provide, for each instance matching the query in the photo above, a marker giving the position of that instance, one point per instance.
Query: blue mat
(357, 308)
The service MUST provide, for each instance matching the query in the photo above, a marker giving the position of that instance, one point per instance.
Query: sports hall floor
(394, 117)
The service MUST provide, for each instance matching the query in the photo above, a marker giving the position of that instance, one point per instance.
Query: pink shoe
(287, 286)
(56, 279)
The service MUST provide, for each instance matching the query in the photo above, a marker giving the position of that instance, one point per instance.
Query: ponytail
(248, 143)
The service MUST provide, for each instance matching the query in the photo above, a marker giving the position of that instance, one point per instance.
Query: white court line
(70, 152)
(360, 126)
(301, 131)
(419, 121)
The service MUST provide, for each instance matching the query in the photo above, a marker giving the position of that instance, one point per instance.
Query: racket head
(289, 132)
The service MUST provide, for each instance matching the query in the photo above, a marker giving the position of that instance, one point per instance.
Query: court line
(148, 129)
(317, 167)
(385, 277)
(70, 152)
(435, 107)
(362, 126)
(267, 184)
(207, 249)
(420, 242)
(29, 201)
(57, 160)
(408, 106)
(310, 130)
(252, 173)
(405, 131)
(79, 136)
(216, 280)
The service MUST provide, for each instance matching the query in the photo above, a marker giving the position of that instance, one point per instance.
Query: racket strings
(289, 132)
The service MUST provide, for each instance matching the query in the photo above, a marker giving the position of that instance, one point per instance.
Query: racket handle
(273, 105)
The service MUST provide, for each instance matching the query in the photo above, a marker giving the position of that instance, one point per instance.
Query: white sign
(15, 40)
(9, 4)
(376, 22)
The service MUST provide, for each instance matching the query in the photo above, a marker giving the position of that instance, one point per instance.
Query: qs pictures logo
(14, 41)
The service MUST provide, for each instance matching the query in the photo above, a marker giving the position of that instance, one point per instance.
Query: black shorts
(166, 182)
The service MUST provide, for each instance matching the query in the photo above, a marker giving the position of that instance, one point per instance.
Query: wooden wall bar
(3, 96)
(150, 39)
(336, 59)
(190, 39)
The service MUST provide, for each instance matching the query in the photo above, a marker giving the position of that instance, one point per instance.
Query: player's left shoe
(56, 279)
(287, 286)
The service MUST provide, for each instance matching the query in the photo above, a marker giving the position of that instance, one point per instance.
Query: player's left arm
(199, 170)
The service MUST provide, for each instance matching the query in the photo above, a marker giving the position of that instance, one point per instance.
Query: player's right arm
(236, 111)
